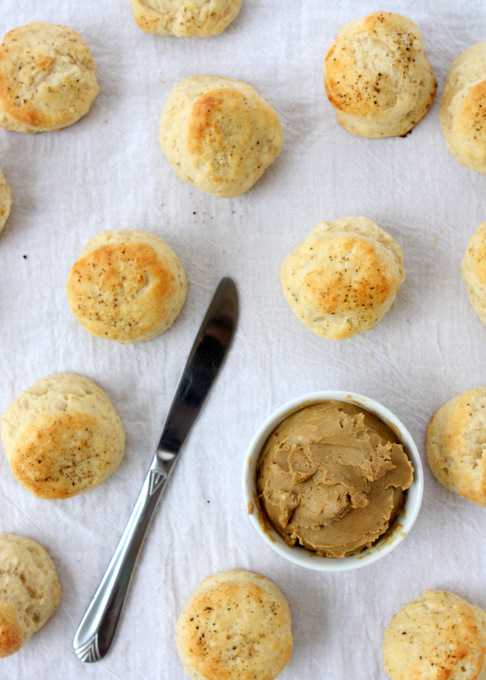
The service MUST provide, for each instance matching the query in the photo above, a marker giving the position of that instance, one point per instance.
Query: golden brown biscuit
(185, 17)
(377, 76)
(62, 436)
(436, 636)
(343, 277)
(127, 286)
(474, 271)
(219, 134)
(47, 78)
(236, 624)
(455, 445)
(5, 200)
(30, 591)
(462, 111)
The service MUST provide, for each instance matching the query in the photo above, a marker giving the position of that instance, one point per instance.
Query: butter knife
(98, 625)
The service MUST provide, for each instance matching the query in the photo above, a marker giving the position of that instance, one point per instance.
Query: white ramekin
(302, 556)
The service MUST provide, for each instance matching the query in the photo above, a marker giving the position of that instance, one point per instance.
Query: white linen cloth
(108, 172)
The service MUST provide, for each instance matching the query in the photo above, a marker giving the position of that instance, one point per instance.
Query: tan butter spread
(331, 477)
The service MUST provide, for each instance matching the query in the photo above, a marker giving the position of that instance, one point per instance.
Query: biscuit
(126, 286)
(455, 445)
(185, 18)
(474, 271)
(377, 76)
(47, 78)
(62, 436)
(343, 277)
(462, 110)
(30, 590)
(236, 624)
(219, 134)
(5, 200)
(436, 636)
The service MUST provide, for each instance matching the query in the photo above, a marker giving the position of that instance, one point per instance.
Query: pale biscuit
(5, 200)
(462, 110)
(377, 76)
(30, 591)
(236, 624)
(185, 17)
(343, 277)
(47, 78)
(127, 285)
(474, 271)
(436, 636)
(62, 436)
(219, 134)
(456, 445)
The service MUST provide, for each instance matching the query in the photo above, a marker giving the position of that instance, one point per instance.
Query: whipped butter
(332, 478)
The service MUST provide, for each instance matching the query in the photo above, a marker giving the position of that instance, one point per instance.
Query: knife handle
(98, 625)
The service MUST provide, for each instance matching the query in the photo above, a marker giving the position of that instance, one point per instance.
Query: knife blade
(97, 627)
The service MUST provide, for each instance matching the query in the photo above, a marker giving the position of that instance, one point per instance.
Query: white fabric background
(108, 172)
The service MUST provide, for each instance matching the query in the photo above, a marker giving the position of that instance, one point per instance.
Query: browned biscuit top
(462, 110)
(11, 635)
(30, 591)
(219, 134)
(47, 77)
(185, 18)
(63, 455)
(213, 124)
(377, 75)
(353, 279)
(236, 624)
(455, 444)
(352, 83)
(126, 286)
(343, 277)
(437, 636)
(472, 115)
(62, 436)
